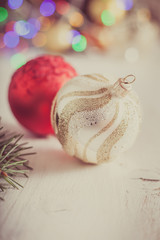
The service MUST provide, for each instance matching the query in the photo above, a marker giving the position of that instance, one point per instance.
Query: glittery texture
(33, 88)
(92, 121)
(98, 134)
(104, 150)
(78, 105)
(97, 77)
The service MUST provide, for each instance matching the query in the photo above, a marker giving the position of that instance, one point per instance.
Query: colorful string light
(39, 40)
(10, 26)
(107, 18)
(11, 39)
(45, 23)
(3, 14)
(35, 22)
(32, 31)
(76, 19)
(47, 8)
(124, 4)
(14, 4)
(79, 43)
(73, 34)
(110, 12)
(23, 45)
(21, 28)
(27, 29)
(62, 7)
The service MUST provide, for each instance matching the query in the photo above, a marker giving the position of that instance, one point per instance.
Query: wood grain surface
(64, 199)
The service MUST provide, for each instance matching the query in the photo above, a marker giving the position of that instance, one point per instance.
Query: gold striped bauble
(94, 119)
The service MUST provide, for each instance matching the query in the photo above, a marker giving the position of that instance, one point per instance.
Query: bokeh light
(117, 13)
(27, 29)
(32, 31)
(107, 18)
(79, 43)
(35, 22)
(23, 45)
(14, 4)
(76, 19)
(17, 60)
(131, 55)
(21, 28)
(39, 40)
(47, 8)
(124, 4)
(3, 14)
(45, 23)
(62, 7)
(73, 34)
(9, 26)
(11, 39)
(2, 45)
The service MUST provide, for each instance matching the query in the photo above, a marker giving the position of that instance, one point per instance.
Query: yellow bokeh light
(76, 19)
(58, 37)
(39, 40)
(118, 13)
(131, 55)
(45, 23)
(96, 8)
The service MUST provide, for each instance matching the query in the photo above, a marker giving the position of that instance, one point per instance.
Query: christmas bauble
(94, 119)
(33, 88)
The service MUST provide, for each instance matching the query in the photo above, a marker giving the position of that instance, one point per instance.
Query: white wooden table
(66, 199)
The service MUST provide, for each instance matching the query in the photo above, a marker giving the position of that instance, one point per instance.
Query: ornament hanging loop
(123, 85)
(128, 79)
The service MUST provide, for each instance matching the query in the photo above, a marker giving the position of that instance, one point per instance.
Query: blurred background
(126, 28)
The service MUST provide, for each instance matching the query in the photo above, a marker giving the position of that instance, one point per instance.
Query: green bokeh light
(107, 18)
(3, 14)
(17, 60)
(79, 43)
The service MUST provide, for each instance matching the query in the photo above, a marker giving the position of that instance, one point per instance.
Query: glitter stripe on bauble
(95, 120)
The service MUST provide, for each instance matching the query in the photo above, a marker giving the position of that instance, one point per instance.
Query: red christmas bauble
(33, 88)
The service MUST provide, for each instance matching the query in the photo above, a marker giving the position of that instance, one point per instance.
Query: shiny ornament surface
(33, 88)
(94, 119)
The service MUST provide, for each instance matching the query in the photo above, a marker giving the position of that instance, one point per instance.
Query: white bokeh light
(131, 55)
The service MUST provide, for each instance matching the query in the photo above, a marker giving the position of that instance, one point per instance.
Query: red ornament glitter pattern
(33, 88)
